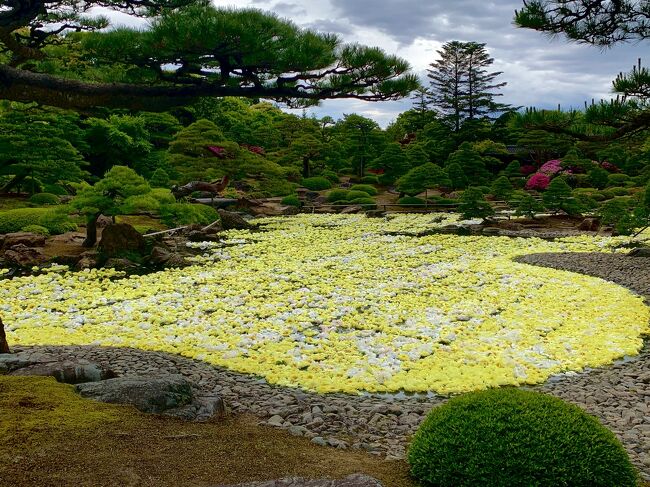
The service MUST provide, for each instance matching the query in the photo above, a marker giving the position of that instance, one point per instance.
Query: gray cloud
(540, 71)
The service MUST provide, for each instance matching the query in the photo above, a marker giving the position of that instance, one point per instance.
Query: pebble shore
(619, 395)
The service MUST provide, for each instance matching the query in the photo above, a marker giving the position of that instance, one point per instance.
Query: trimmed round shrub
(331, 176)
(317, 183)
(55, 189)
(366, 188)
(510, 436)
(337, 195)
(291, 200)
(410, 200)
(353, 195)
(614, 192)
(364, 201)
(617, 179)
(37, 229)
(177, 214)
(16, 220)
(370, 180)
(57, 221)
(44, 199)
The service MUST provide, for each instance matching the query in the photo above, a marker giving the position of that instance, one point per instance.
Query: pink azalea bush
(538, 181)
(551, 167)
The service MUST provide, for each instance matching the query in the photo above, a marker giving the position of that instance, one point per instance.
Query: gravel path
(382, 424)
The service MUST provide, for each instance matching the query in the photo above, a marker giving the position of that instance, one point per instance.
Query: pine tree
(558, 196)
(159, 179)
(421, 100)
(422, 177)
(471, 163)
(473, 204)
(393, 161)
(526, 205)
(456, 176)
(461, 86)
(502, 188)
(513, 170)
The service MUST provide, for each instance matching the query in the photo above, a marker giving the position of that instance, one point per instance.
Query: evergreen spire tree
(461, 86)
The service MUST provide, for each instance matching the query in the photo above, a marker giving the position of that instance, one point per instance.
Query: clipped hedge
(37, 229)
(410, 200)
(55, 222)
(366, 188)
(353, 195)
(317, 183)
(370, 180)
(178, 214)
(331, 176)
(44, 199)
(291, 200)
(505, 437)
(367, 202)
(337, 195)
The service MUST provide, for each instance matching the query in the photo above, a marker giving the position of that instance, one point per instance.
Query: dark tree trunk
(15, 181)
(306, 170)
(91, 232)
(4, 346)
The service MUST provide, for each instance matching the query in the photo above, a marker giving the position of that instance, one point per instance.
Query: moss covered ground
(53, 437)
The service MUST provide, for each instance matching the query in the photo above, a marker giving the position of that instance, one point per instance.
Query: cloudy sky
(540, 71)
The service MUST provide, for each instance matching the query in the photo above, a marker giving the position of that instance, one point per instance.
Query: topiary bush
(44, 199)
(37, 229)
(410, 200)
(366, 188)
(337, 195)
(317, 183)
(370, 180)
(178, 214)
(331, 176)
(505, 437)
(353, 195)
(55, 222)
(366, 202)
(291, 200)
(617, 179)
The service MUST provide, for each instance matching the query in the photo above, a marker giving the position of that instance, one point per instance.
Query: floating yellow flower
(343, 303)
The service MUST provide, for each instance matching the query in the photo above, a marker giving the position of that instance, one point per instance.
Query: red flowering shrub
(538, 181)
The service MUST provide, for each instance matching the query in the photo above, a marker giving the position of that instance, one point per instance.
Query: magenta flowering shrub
(538, 181)
(551, 167)
(527, 170)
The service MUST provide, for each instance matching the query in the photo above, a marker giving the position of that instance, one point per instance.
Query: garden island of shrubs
(455, 299)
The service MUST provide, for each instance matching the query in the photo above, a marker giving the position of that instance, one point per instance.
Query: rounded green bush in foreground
(512, 437)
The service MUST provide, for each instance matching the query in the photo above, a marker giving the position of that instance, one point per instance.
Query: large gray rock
(233, 221)
(640, 252)
(22, 256)
(356, 480)
(25, 238)
(149, 394)
(67, 371)
(120, 239)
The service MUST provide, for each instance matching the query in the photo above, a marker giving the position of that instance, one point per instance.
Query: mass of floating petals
(348, 303)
